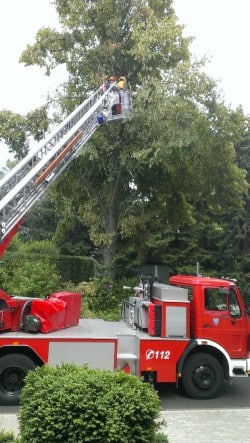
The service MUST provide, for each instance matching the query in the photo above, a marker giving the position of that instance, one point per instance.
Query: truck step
(127, 356)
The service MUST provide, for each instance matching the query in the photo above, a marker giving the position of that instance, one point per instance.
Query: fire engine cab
(191, 331)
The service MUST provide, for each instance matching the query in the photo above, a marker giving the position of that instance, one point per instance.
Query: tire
(13, 369)
(202, 376)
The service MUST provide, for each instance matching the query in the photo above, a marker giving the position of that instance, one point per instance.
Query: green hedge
(75, 269)
(70, 404)
(70, 268)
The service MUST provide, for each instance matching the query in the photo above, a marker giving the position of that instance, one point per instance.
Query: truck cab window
(215, 300)
(218, 299)
(234, 307)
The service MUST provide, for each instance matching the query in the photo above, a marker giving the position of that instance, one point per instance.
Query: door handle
(207, 325)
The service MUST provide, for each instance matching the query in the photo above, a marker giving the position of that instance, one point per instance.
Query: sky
(22, 89)
(220, 28)
(222, 32)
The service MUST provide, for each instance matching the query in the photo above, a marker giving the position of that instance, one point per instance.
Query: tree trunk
(109, 250)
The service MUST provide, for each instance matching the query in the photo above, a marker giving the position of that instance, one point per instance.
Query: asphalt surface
(194, 426)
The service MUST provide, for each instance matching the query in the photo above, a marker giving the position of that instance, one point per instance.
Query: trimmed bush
(67, 268)
(8, 437)
(30, 277)
(70, 404)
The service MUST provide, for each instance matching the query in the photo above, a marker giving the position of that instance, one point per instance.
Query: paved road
(236, 395)
(224, 419)
(207, 425)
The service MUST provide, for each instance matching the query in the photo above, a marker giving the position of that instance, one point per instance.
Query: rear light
(126, 369)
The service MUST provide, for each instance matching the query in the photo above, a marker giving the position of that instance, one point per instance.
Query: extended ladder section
(27, 181)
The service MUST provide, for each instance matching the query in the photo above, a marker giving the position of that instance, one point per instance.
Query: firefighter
(105, 83)
(122, 83)
(111, 80)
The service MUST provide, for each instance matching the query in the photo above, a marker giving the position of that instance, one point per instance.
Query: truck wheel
(13, 369)
(202, 376)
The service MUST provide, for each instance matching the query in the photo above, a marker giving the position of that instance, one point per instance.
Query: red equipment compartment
(60, 310)
(154, 319)
(175, 318)
(51, 312)
(73, 306)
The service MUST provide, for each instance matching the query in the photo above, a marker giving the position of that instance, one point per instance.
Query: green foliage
(87, 291)
(109, 37)
(16, 129)
(70, 404)
(75, 269)
(8, 437)
(71, 234)
(41, 222)
(13, 132)
(107, 299)
(101, 298)
(37, 123)
(160, 438)
(28, 269)
(33, 278)
(35, 268)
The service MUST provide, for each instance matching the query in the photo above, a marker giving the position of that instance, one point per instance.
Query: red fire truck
(191, 331)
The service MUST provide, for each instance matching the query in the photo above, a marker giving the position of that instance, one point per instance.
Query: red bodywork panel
(5, 243)
(40, 344)
(162, 356)
(218, 325)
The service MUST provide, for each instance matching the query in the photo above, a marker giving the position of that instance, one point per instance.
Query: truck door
(223, 321)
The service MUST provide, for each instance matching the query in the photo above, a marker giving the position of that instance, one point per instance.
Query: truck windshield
(217, 299)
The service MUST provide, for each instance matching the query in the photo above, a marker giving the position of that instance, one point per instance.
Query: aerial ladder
(28, 180)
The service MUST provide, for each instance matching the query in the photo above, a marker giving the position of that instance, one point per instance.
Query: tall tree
(138, 39)
(177, 148)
